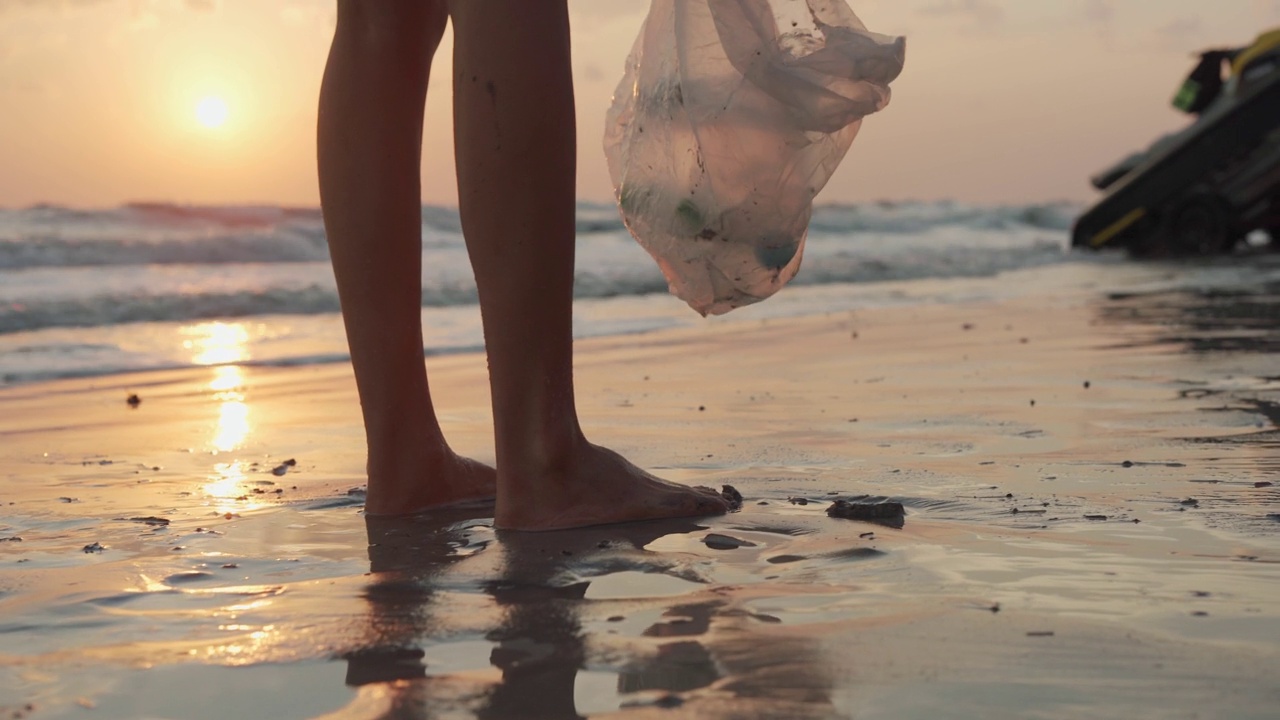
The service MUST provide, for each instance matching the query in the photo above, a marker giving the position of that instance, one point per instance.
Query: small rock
(716, 541)
(133, 400)
(798, 500)
(95, 547)
(1095, 517)
(151, 520)
(1086, 384)
(1263, 483)
(1190, 502)
(891, 514)
(732, 496)
(230, 566)
(290, 462)
(1127, 463)
(1039, 633)
(280, 470)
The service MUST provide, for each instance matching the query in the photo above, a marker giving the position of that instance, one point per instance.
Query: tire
(1201, 226)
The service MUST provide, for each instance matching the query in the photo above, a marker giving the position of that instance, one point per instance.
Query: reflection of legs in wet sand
(516, 145)
(539, 642)
(404, 558)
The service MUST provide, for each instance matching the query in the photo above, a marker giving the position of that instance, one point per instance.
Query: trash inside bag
(731, 116)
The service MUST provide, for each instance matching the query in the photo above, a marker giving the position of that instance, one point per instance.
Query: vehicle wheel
(1201, 226)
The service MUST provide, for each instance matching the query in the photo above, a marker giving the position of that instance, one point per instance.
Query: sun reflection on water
(233, 413)
(216, 343)
(227, 488)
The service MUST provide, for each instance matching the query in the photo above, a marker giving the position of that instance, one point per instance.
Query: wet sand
(1091, 528)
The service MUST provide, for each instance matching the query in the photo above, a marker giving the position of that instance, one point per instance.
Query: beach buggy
(1203, 189)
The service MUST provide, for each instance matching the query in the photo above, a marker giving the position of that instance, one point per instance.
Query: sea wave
(170, 234)
(180, 302)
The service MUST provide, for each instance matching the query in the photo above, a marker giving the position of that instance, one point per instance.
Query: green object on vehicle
(1187, 94)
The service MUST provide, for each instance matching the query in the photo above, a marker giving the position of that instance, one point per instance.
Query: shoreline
(1046, 612)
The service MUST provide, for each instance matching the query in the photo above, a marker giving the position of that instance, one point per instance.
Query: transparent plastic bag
(731, 116)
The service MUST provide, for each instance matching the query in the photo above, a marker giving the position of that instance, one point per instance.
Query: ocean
(96, 292)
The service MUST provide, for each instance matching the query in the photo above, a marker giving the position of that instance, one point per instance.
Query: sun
(212, 112)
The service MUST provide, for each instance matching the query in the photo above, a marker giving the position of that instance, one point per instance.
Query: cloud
(136, 5)
(1183, 33)
(1099, 12)
(1267, 10)
(984, 12)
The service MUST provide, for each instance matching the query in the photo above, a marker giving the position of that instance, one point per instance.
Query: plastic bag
(731, 116)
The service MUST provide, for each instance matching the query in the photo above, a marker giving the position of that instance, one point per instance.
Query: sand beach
(1087, 454)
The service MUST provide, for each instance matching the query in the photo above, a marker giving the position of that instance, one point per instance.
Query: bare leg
(516, 154)
(370, 144)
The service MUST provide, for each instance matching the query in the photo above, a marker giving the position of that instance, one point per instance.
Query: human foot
(448, 480)
(596, 486)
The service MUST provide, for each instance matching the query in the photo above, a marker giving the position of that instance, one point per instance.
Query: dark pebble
(1040, 633)
(1263, 483)
(1189, 502)
(94, 548)
(1086, 384)
(798, 501)
(133, 401)
(1127, 463)
(1095, 517)
(290, 462)
(731, 496)
(151, 520)
(891, 514)
(716, 541)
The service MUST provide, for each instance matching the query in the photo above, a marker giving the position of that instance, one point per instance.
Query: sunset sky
(213, 101)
